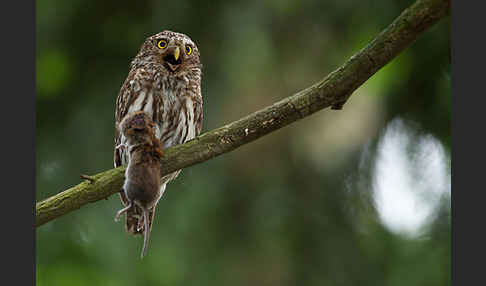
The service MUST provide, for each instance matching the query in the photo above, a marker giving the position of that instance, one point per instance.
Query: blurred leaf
(54, 70)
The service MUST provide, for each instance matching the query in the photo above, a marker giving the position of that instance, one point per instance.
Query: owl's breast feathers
(173, 102)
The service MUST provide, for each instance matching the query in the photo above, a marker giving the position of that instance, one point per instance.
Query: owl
(165, 82)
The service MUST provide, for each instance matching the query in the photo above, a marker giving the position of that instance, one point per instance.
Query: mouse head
(137, 127)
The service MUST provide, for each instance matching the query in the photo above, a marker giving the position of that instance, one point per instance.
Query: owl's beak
(173, 57)
(177, 52)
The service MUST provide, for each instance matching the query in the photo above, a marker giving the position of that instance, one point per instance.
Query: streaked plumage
(169, 91)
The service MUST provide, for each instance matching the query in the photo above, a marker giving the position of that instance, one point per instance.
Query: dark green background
(287, 209)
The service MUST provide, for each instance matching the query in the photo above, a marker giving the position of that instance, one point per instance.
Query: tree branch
(333, 91)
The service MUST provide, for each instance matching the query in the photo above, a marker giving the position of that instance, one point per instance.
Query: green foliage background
(287, 209)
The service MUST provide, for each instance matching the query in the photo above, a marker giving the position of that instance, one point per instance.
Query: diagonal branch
(332, 91)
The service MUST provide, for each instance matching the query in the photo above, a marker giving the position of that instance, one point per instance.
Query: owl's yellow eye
(162, 44)
(188, 50)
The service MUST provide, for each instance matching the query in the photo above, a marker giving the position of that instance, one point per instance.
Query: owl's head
(176, 52)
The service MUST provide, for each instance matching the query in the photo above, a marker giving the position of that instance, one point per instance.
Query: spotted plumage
(165, 82)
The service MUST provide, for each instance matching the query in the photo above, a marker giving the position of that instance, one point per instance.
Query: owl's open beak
(173, 58)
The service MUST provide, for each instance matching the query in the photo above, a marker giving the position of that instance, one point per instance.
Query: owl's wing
(130, 91)
(121, 109)
(198, 114)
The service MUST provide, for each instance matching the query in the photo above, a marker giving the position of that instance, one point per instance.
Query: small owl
(165, 82)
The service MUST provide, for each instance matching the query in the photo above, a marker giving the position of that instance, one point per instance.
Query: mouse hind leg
(120, 212)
